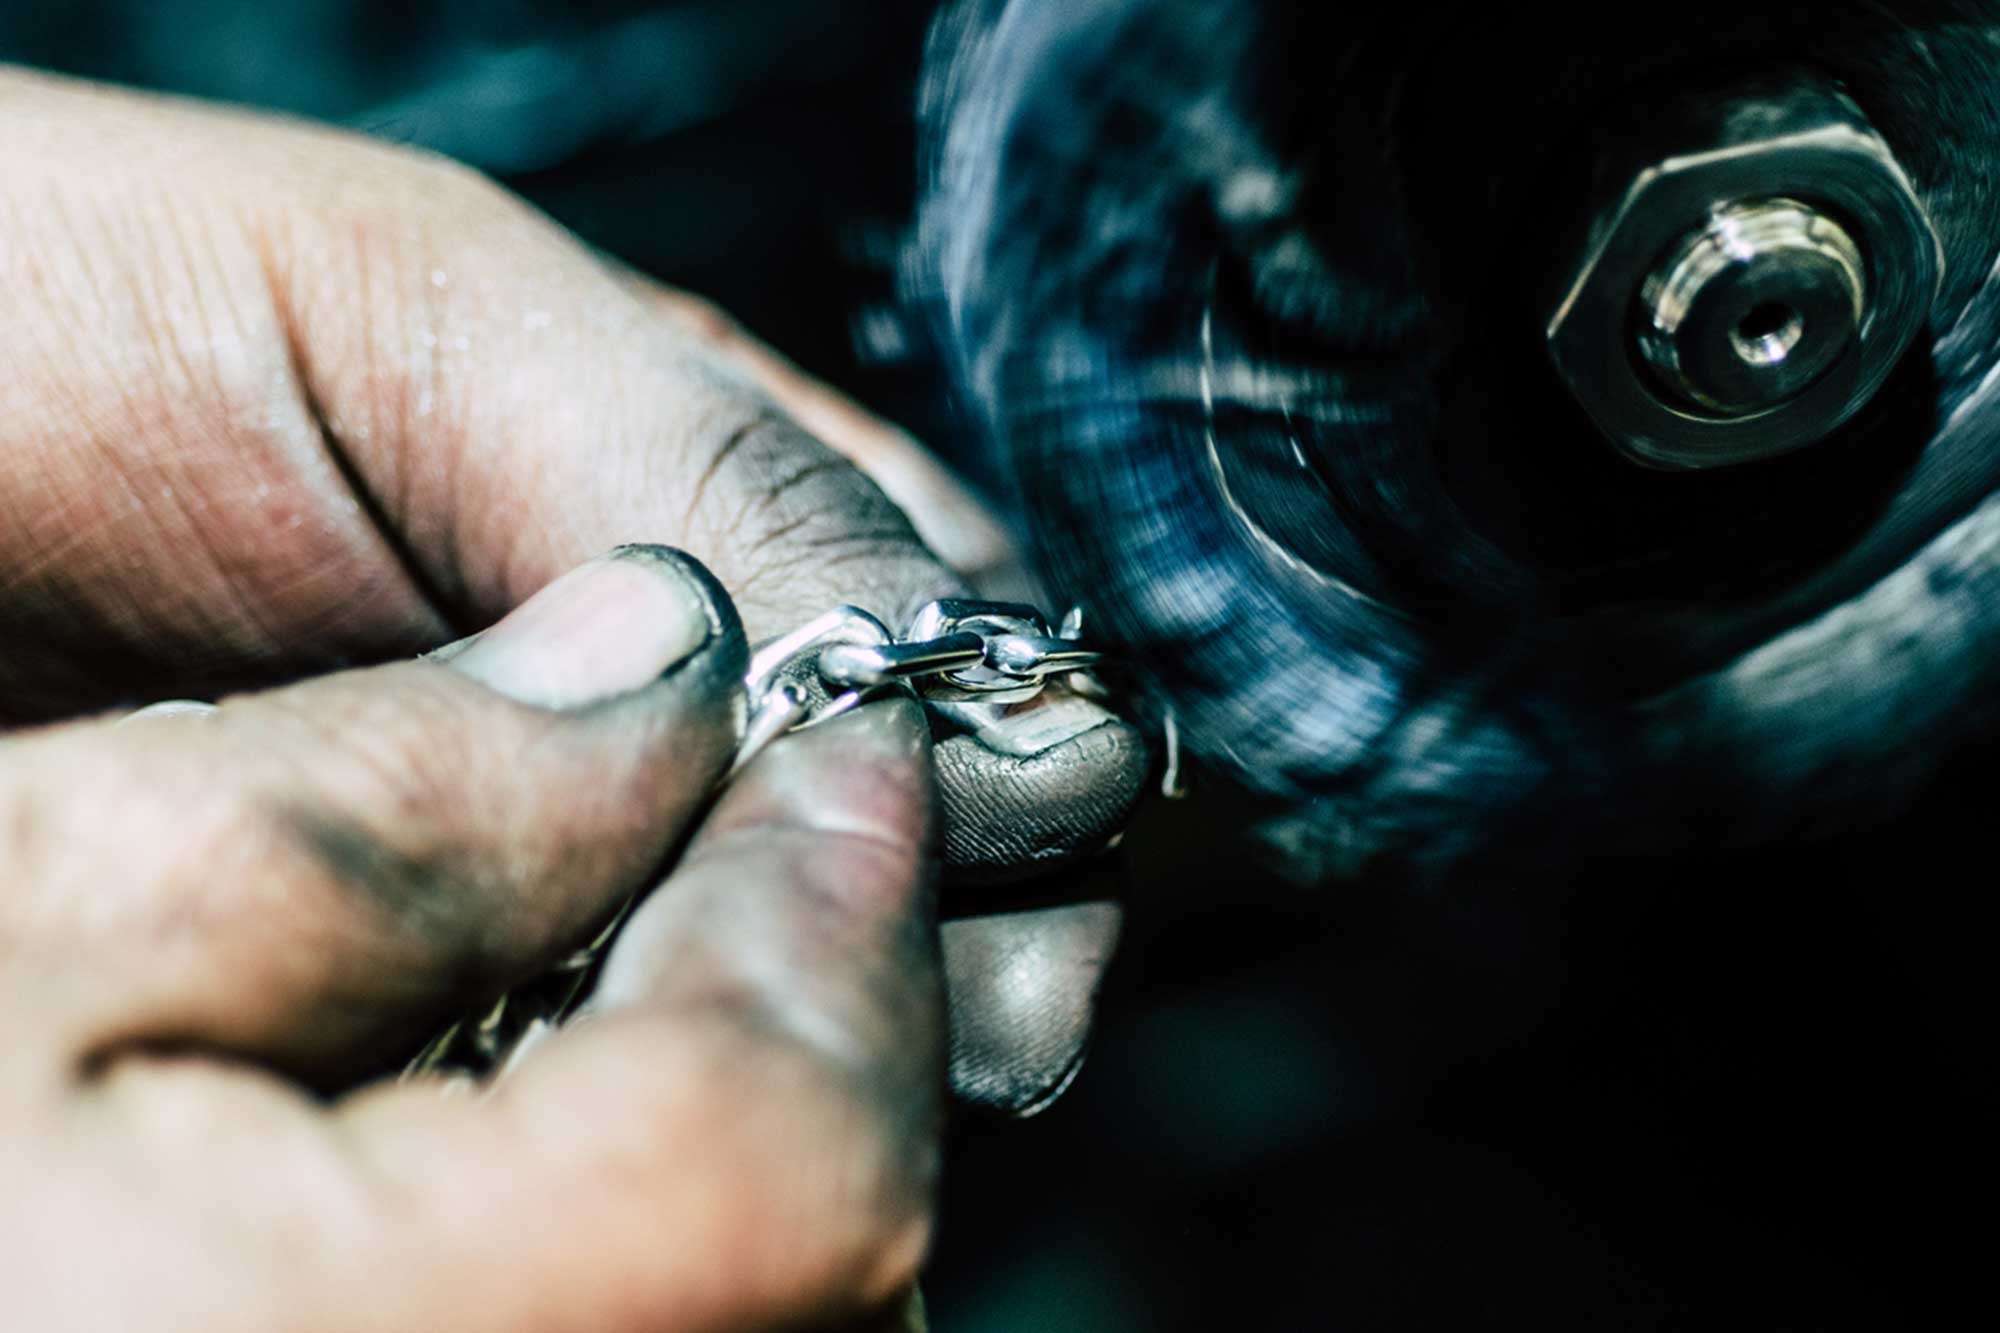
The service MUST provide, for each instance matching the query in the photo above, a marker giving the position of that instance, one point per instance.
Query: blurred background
(759, 152)
(1683, 1094)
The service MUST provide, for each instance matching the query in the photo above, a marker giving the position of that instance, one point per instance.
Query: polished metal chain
(957, 650)
(954, 651)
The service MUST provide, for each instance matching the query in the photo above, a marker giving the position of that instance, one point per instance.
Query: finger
(948, 517)
(743, 1130)
(1034, 787)
(1026, 790)
(412, 403)
(1024, 963)
(302, 874)
(1023, 981)
(425, 404)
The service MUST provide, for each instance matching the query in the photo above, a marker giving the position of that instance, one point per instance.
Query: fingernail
(1052, 718)
(604, 629)
(169, 708)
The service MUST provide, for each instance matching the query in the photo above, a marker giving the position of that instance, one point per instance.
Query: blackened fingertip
(1022, 989)
(1009, 817)
(976, 1089)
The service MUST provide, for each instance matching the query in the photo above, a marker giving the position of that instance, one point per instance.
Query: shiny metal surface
(843, 624)
(1750, 286)
(785, 687)
(1035, 656)
(878, 664)
(1753, 307)
(982, 681)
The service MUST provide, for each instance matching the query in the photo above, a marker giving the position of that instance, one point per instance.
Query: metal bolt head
(1745, 297)
(1752, 307)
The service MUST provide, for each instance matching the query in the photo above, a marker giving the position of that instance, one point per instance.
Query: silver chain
(956, 650)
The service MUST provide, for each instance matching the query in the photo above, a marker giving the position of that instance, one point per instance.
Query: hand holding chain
(955, 650)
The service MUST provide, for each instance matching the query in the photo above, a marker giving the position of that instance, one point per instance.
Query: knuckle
(794, 523)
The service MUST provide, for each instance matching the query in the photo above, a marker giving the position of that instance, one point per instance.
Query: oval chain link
(954, 650)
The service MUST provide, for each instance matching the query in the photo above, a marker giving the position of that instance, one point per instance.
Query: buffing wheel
(1252, 301)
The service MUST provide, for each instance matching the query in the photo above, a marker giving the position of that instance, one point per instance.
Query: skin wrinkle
(548, 441)
(764, 499)
(432, 606)
(732, 440)
(394, 362)
(93, 229)
(73, 523)
(392, 374)
(369, 774)
(949, 519)
(441, 328)
(493, 424)
(829, 511)
(113, 434)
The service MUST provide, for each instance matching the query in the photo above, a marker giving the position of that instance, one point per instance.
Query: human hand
(210, 913)
(281, 400)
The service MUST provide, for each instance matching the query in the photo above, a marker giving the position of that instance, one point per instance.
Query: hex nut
(1795, 157)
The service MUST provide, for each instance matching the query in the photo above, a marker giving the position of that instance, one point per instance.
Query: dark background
(1675, 1095)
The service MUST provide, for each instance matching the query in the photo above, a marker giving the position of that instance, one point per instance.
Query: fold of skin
(1235, 289)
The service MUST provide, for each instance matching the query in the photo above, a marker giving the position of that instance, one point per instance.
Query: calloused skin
(280, 401)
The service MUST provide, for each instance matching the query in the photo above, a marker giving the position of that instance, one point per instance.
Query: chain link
(954, 650)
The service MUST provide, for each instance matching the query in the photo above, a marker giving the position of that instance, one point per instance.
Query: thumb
(303, 875)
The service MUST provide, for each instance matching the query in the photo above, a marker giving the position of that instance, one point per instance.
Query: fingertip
(1023, 990)
(805, 902)
(607, 628)
(1021, 796)
(867, 773)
